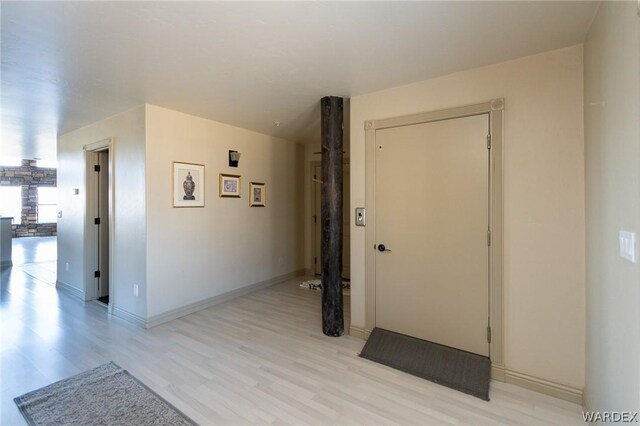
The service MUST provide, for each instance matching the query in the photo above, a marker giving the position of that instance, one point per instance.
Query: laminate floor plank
(257, 359)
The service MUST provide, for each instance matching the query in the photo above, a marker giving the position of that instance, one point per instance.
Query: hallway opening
(36, 257)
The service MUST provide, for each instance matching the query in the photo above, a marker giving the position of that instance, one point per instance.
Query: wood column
(331, 216)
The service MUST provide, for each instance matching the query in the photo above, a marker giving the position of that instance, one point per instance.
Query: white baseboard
(359, 332)
(498, 373)
(206, 303)
(537, 384)
(70, 290)
(356, 331)
(127, 316)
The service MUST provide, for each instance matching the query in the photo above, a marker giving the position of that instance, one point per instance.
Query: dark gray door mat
(106, 395)
(464, 371)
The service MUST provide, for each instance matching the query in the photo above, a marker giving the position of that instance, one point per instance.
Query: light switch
(360, 217)
(628, 248)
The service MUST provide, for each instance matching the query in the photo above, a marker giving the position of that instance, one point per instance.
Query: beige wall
(612, 148)
(129, 261)
(544, 267)
(195, 254)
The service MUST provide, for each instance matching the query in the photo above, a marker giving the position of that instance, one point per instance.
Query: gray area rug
(464, 371)
(106, 395)
(316, 285)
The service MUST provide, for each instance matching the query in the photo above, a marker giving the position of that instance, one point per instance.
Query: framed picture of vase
(187, 188)
(257, 194)
(230, 185)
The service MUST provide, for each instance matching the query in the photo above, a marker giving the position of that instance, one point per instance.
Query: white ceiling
(68, 64)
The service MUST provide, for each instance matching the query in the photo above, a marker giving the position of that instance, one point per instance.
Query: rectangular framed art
(230, 185)
(257, 194)
(187, 189)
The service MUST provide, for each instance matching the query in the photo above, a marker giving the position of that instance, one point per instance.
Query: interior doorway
(316, 174)
(98, 226)
(103, 227)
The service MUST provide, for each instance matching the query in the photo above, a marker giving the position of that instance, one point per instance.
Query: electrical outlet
(66, 266)
(135, 290)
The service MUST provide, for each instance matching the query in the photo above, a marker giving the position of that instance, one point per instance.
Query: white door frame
(90, 212)
(317, 181)
(494, 109)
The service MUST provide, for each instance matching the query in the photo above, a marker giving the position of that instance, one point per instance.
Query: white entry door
(432, 217)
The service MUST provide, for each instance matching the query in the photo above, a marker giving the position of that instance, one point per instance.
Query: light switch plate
(628, 246)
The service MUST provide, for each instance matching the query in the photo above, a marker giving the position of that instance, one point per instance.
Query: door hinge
(96, 274)
(488, 236)
(315, 260)
(489, 141)
(315, 218)
(96, 168)
(488, 334)
(96, 221)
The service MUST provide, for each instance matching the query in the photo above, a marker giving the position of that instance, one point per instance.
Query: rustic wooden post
(331, 213)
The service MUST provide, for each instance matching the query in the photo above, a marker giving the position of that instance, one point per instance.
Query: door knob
(382, 248)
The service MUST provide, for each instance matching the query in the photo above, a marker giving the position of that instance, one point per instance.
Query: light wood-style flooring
(258, 359)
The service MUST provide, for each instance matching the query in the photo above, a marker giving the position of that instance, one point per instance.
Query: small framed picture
(257, 194)
(187, 189)
(230, 185)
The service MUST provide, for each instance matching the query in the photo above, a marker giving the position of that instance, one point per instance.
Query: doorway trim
(494, 109)
(90, 238)
(315, 180)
